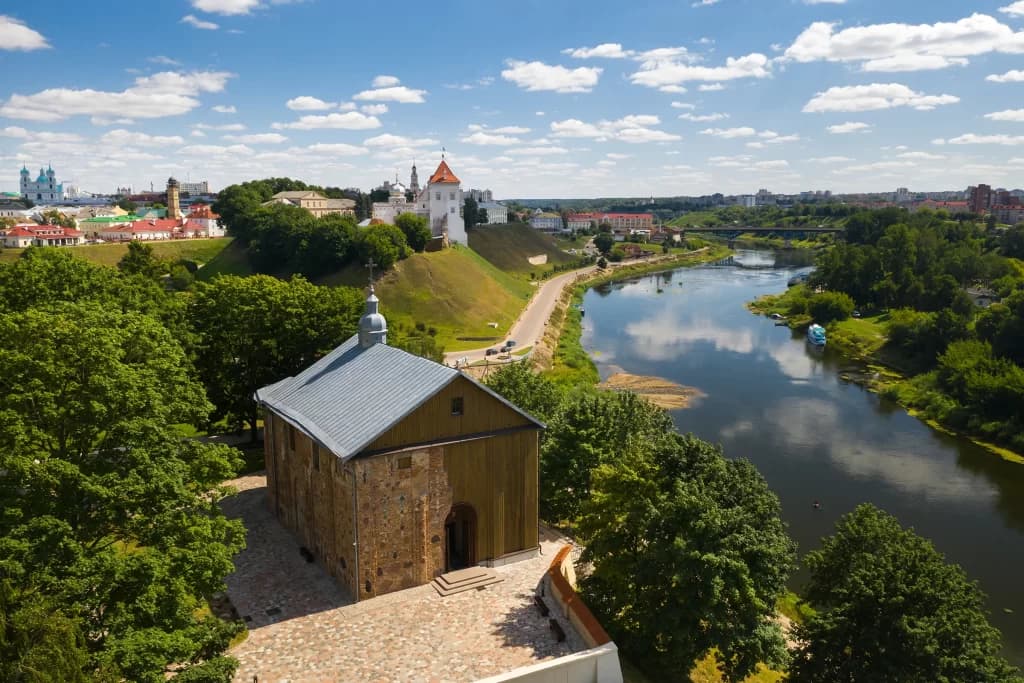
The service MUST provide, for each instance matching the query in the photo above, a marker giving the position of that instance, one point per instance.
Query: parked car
(491, 352)
(510, 343)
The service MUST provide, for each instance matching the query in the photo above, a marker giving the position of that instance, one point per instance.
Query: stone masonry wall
(403, 500)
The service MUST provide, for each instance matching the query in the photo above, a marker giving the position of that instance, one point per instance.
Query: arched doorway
(460, 537)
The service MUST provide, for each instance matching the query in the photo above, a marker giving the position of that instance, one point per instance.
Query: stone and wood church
(392, 469)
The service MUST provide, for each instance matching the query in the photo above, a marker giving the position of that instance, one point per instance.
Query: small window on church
(437, 195)
(316, 457)
(451, 196)
(405, 463)
(453, 209)
(457, 405)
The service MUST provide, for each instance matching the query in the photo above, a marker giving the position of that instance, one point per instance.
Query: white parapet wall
(597, 665)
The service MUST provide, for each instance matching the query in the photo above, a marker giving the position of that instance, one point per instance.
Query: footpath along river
(771, 398)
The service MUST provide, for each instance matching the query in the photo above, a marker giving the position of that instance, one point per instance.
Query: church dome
(373, 328)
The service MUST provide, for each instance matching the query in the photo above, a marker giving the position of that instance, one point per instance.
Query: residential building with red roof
(202, 222)
(144, 230)
(21, 236)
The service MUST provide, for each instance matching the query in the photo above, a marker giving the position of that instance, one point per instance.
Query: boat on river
(816, 335)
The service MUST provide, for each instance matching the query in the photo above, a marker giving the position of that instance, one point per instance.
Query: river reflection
(774, 400)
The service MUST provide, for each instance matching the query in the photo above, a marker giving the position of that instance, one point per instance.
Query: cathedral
(44, 189)
(440, 202)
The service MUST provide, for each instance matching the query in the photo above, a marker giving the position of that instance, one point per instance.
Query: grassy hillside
(509, 247)
(200, 250)
(455, 291)
(232, 260)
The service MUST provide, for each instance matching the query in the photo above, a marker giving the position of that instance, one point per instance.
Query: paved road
(529, 328)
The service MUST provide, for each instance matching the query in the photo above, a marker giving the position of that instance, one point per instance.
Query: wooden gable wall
(433, 421)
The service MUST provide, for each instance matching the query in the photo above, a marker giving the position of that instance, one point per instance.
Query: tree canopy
(890, 609)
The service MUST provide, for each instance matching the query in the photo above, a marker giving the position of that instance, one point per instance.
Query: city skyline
(691, 98)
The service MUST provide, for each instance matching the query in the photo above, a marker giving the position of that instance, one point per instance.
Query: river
(776, 401)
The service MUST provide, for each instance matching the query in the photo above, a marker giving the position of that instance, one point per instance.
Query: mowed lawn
(198, 250)
(455, 291)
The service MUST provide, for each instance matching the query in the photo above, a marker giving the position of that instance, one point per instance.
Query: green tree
(1012, 242)
(890, 609)
(604, 241)
(385, 244)
(327, 246)
(55, 217)
(127, 205)
(827, 307)
(140, 260)
(602, 263)
(107, 513)
(689, 554)
(470, 213)
(416, 230)
(532, 392)
(254, 331)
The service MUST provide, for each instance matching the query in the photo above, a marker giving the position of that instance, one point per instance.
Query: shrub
(830, 306)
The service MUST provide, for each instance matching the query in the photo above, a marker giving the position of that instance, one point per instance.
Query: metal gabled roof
(353, 395)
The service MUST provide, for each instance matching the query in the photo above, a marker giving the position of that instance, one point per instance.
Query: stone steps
(465, 580)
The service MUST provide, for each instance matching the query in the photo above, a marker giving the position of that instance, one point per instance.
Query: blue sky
(530, 98)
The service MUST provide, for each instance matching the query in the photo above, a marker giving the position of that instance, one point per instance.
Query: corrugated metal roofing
(352, 395)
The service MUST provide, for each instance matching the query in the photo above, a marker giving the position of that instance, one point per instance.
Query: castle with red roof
(440, 202)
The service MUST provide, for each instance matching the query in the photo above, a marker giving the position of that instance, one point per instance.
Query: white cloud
(711, 87)
(224, 126)
(673, 89)
(258, 138)
(15, 35)
(1012, 76)
(216, 150)
(730, 133)
(703, 118)
(634, 128)
(604, 50)
(1007, 115)
(337, 149)
(164, 60)
(618, 156)
(906, 47)
(167, 93)
(538, 151)
(849, 127)
(195, 22)
(921, 156)
(656, 73)
(307, 103)
(385, 81)
(398, 93)
(389, 140)
(227, 7)
(374, 109)
(1014, 9)
(482, 138)
(351, 120)
(830, 160)
(122, 138)
(38, 136)
(225, 109)
(537, 76)
(875, 96)
(683, 105)
(975, 139)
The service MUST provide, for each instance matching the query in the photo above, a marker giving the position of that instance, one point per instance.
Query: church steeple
(414, 180)
(373, 328)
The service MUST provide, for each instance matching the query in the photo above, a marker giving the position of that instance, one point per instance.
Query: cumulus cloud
(538, 76)
(167, 93)
(906, 47)
(703, 118)
(1014, 9)
(121, 138)
(337, 149)
(385, 81)
(374, 109)
(730, 133)
(657, 73)
(351, 120)
(307, 103)
(227, 7)
(604, 50)
(389, 140)
(225, 109)
(15, 35)
(875, 96)
(635, 128)
(1012, 76)
(482, 138)
(849, 127)
(397, 93)
(1007, 115)
(258, 138)
(975, 139)
(539, 151)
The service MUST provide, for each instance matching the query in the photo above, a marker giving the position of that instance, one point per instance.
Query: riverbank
(561, 355)
(880, 368)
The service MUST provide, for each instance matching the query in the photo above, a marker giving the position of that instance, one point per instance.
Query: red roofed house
(440, 202)
(952, 207)
(21, 236)
(202, 222)
(623, 224)
(145, 230)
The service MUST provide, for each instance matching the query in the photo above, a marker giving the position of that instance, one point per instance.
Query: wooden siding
(434, 421)
(498, 477)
